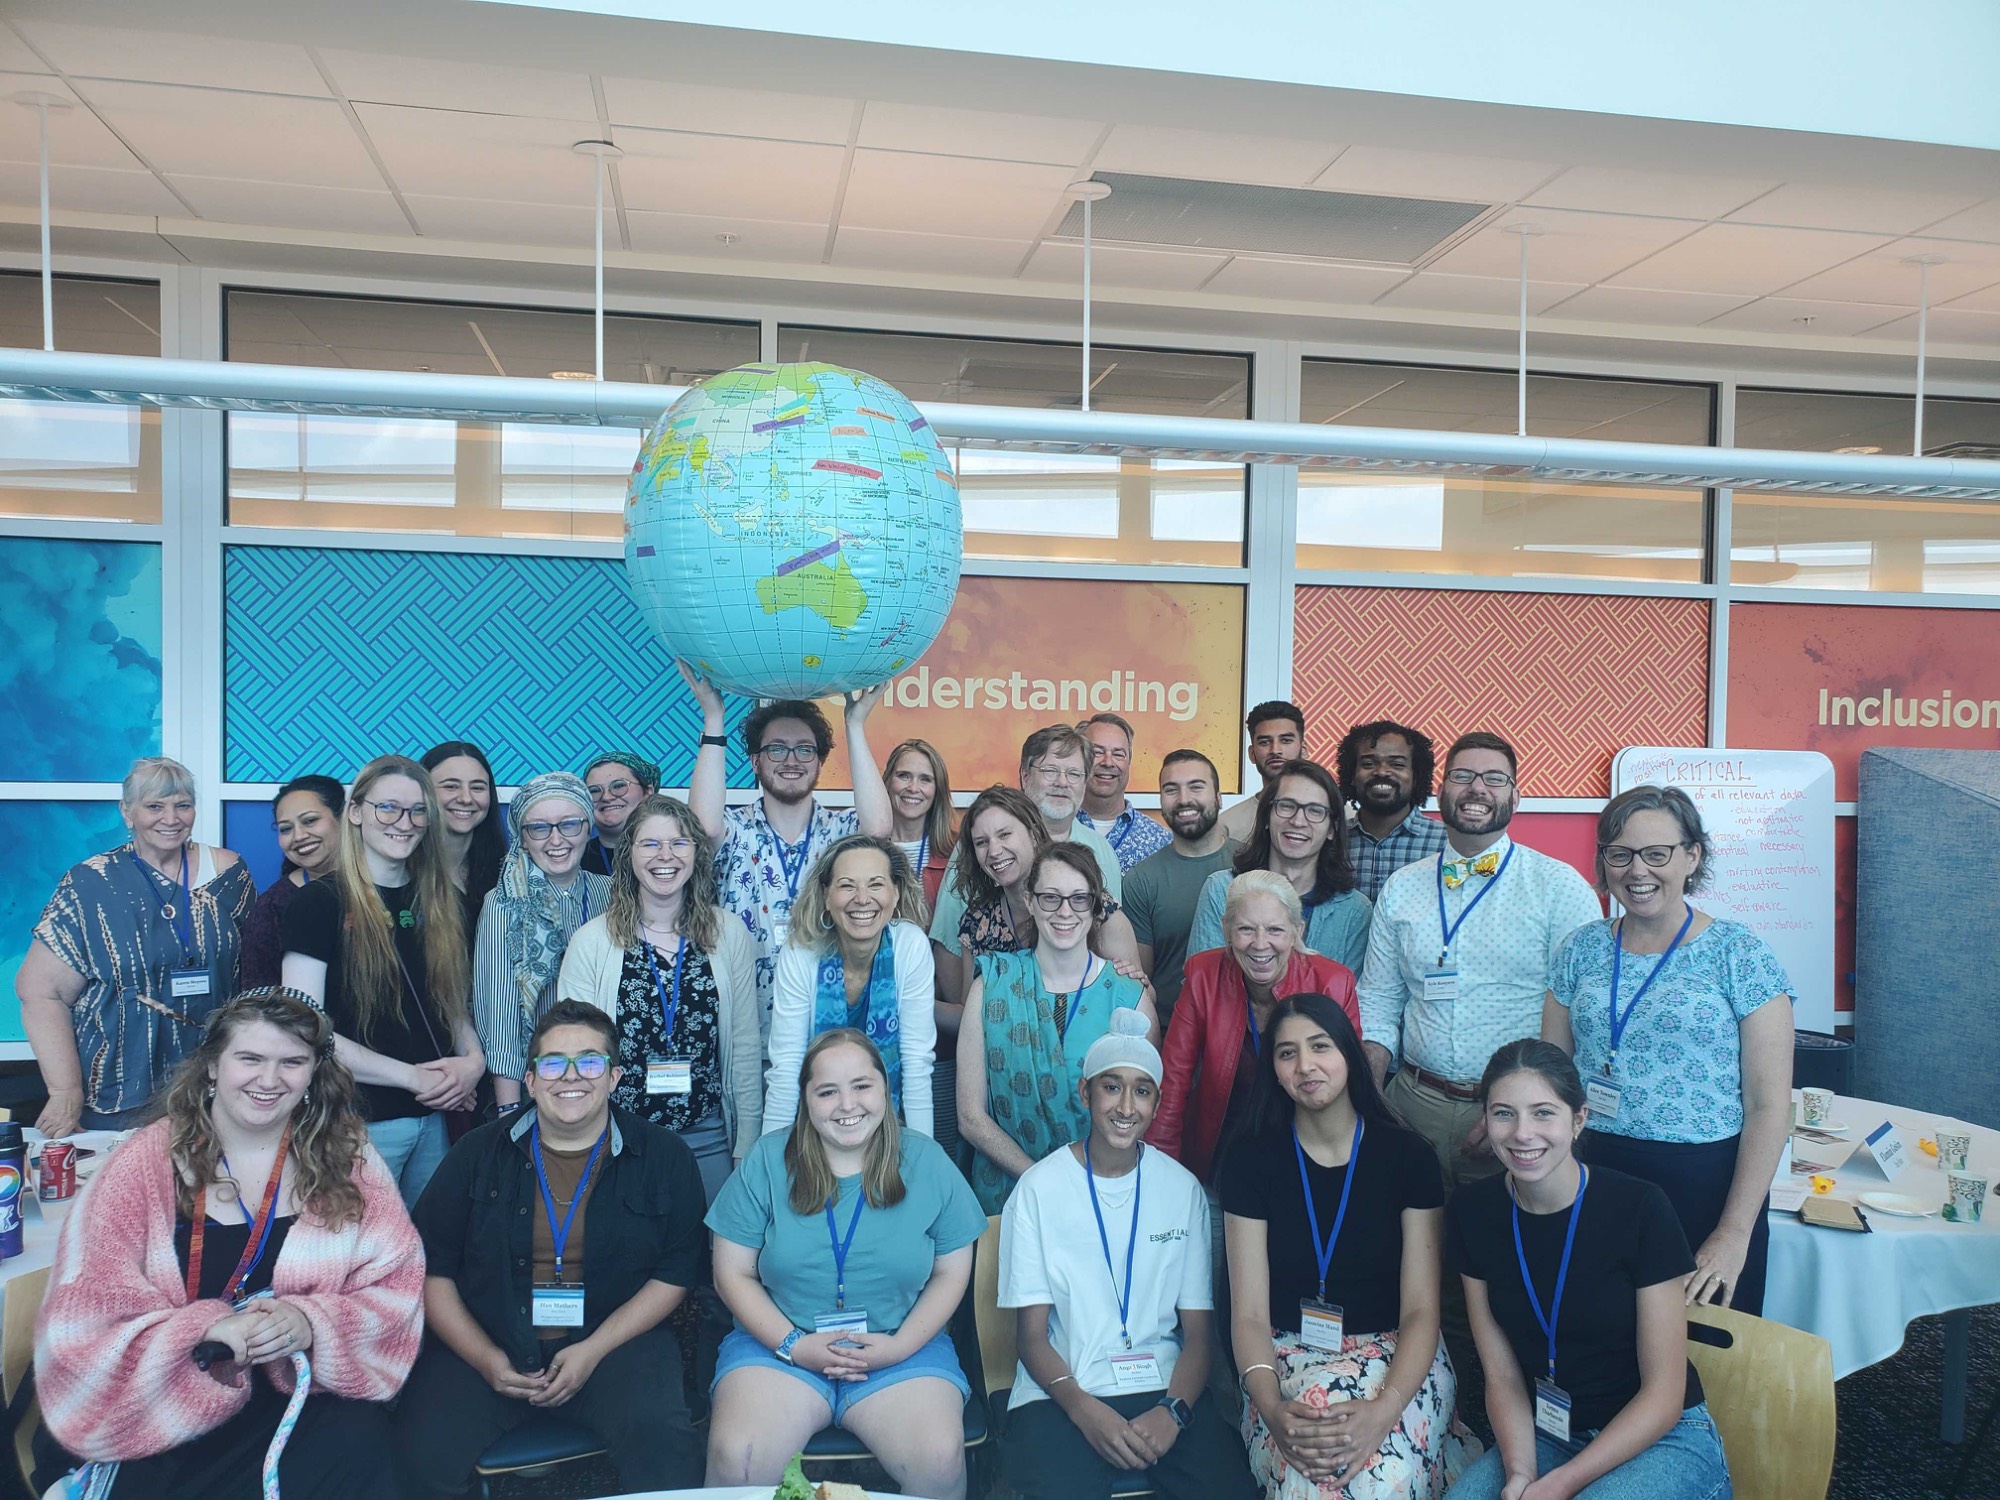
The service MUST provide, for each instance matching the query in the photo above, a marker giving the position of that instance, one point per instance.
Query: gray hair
(1264, 883)
(156, 776)
(1667, 799)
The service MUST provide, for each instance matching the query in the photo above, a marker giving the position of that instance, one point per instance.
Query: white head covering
(1124, 1046)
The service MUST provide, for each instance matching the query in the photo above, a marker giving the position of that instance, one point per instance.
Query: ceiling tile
(927, 254)
(289, 206)
(76, 136)
(1115, 265)
(1796, 315)
(448, 218)
(1582, 247)
(210, 133)
(1630, 304)
(1886, 275)
(17, 57)
(1947, 326)
(1852, 205)
(479, 88)
(715, 110)
(696, 234)
(1986, 299)
(1475, 294)
(1671, 195)
(1165, 151)
(1430, 174)
(91, 190)
(1744, 258)
(181, 56)
(977, 132)
(666, 171)
(1304, 280)
(1980, 223)
(450, 154)
(951, 195)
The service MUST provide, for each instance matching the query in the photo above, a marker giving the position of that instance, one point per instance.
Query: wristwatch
(784, 1349)
(720, 741)
(1178, 1409)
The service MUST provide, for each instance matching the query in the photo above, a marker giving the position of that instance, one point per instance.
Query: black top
(596, 858)
(1627, 1237)
(646, 1210)
(222, 1246)
(1398, 1170)
(412, 1032)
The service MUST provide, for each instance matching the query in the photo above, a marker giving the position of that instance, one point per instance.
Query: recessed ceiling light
(571, 375)
(1861, 448)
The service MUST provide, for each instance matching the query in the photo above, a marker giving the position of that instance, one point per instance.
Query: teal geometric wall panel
(42, 839)
(80, 638)
(333, 656)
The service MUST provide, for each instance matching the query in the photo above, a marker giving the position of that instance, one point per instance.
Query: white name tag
(1552, 1409)
(669, 1075)
(1137, 1372)
(854, 1320)
(1886, 1146)
(1604, 1096)
(558, 1306)
(188, 984)
(1321, 1325)
(1441, 987)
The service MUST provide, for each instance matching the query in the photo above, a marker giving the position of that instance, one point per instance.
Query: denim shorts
(1685, 1463)
(937, 1358)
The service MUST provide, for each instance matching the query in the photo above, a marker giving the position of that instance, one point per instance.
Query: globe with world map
(793, 530)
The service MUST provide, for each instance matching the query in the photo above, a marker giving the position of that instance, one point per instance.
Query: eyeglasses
(569, 828)
(388, 814)
(1054, 901)
(590, 1066)
(1289, 808)
(789, 752)
(611, 789)
(1619, 856)
(1463, 777)
(1059, 776)
(648, 848)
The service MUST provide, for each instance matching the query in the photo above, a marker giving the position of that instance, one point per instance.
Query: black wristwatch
(1178, 1409)
(720, 741)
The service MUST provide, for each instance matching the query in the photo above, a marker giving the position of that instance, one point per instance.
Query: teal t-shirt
(894, 1250)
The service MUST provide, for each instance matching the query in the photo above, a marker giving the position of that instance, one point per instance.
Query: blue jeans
(411, 1148)
(1685, 1464)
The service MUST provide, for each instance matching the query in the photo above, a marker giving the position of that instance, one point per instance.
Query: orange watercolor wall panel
(1020, 653)
(1567, 679)
(1844, 678)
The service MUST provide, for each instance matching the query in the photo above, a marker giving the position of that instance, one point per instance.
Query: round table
(1860, 1292)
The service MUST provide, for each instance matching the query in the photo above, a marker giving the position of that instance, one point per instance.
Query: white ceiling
(357, 127)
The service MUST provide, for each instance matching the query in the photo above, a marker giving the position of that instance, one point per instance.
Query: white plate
(1828, 1127)
(1896, 1205)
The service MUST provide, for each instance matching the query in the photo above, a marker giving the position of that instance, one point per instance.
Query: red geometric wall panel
(1567, 679)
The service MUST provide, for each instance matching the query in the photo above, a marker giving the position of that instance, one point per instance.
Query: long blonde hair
(372, 970)
(940, 828)
(813, 1184)
(327, 1135)
(812, 924)
(701, 897)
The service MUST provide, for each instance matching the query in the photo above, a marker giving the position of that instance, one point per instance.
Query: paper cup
(1815, 1106)
(1954, 1146)
(1965, 1197)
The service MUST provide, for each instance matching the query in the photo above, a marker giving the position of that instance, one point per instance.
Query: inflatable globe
(793, 531)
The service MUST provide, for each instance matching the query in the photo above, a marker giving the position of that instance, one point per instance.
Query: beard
(1500, 817)
(789, 793)
(1205, 819)
(1386, 796)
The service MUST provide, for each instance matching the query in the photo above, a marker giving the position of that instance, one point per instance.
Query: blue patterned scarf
(878, 1019)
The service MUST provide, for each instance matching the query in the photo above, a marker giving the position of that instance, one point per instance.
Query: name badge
(188, 984)
(1137, 1372)
(1603, 1095)
(558, 1305)
(1321, 1324)
(853, 1320)
(1552, 1410)
(669, 1075)
(1441, 987)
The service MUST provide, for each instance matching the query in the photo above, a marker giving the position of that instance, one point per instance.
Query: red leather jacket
(1205, 1043)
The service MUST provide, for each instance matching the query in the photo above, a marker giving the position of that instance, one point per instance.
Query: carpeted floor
(1888, 1448)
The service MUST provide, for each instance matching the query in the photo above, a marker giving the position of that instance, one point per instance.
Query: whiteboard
(1769, 815)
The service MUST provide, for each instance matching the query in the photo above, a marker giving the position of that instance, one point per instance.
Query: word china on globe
(794, 530)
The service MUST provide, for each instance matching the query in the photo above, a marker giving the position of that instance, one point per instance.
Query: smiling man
(1386, 770)
(1277, 733)
(1162, 891)
(1132, 835)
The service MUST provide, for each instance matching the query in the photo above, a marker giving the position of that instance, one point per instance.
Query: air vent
(1238, 217)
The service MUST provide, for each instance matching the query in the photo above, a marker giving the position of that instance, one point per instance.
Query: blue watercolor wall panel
(43, 839)
(80, 643)
(333, 656)
(247, 828)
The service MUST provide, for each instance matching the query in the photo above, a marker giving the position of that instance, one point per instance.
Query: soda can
(58, 1175)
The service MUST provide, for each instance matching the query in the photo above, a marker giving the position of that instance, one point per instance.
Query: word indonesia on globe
(794, 530)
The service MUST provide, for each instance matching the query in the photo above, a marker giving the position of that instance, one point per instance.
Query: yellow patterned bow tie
(1458, 871)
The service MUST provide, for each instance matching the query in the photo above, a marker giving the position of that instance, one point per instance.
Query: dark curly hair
(1423, 759)
(1334, 873)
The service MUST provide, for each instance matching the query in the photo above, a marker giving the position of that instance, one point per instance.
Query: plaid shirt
(1375, 860)
(1132, 835)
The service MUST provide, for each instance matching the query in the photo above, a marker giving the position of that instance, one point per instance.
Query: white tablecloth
(1860, 1291)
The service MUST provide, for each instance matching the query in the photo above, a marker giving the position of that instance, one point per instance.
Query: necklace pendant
(168, 911)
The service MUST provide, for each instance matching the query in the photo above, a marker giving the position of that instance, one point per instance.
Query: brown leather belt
(1430, 1080)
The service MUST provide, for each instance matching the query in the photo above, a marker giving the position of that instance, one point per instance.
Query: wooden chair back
(1770, 1390)
(995, 1323)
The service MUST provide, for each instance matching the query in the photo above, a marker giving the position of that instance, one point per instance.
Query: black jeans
(1046, 1456)
(449, 1416)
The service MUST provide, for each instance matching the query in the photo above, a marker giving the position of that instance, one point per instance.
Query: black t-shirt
(222, 1246)
(411, 1032)
(1627, 1237)
(1398, 1170)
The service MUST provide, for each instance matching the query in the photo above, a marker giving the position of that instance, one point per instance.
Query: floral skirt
(1425, 1451)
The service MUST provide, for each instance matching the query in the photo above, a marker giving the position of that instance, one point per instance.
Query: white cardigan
(593, 965)
(791, 1025)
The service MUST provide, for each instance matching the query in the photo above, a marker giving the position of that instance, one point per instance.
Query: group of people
(1239, 1085)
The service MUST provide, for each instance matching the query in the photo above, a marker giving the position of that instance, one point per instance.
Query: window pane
(1492, 527)
(1071, 506)
(1876, 542)
(524, 479)
(85, 463)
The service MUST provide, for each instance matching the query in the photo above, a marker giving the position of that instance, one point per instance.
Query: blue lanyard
(603, 857)
(923, 855)
(583, 891)
(668, 1011)
(260, 1233)
(183, 917)
(1323, 1249)
(1450, 927)
(841, 1246)
(1620, 1022)
(1548, 1323)
(792, 871)
(1104, 1239)
(1256, 1038)
(559, 1235)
